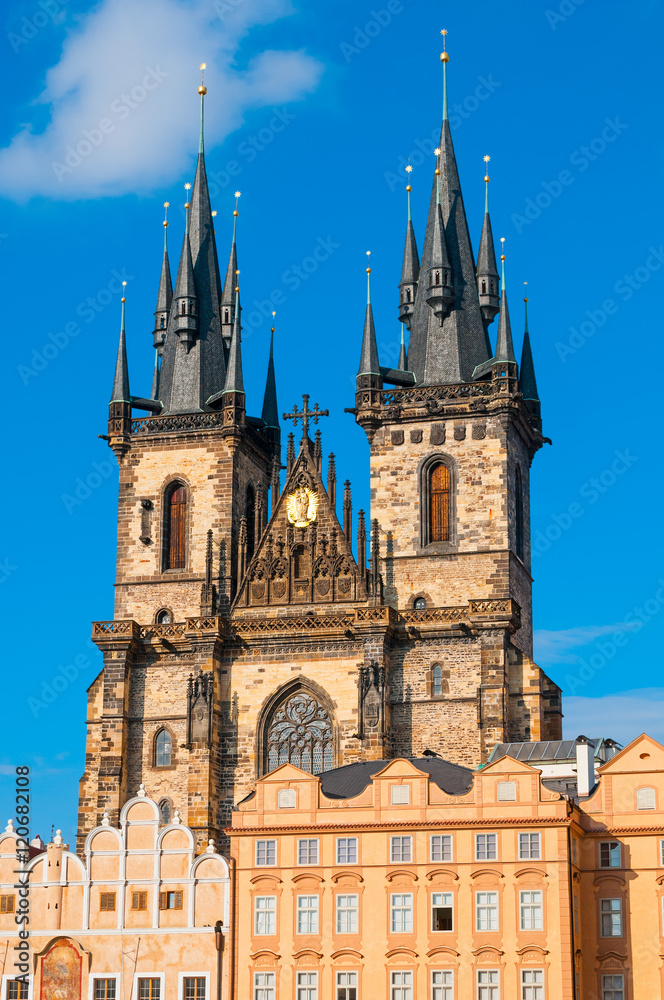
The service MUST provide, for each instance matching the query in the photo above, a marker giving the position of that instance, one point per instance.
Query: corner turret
(410, 269)
(164, 295)
(487, 272)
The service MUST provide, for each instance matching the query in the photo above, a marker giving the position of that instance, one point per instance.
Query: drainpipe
(233, 873)
(570, 813)
(219, 945)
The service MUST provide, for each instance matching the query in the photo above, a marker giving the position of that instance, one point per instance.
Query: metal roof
(551, 750)
(347, 782)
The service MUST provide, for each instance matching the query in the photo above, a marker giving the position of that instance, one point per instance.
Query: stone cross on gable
(305, 414)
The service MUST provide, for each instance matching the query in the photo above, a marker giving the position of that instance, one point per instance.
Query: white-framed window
(265, 986)
(486, 911)
(103, 987)
(266, 852)
(307, 914)
(306, 986)
(609, 854)
(530, 910)
(401, 849)
(149, 986)
(506, 791)
(530, 846)
(441, 847)
(401, 986)
(399, 795)
(442, 911)
(488, 984)
(287, 798)
(401, 909)
(307, 851)
(346, 986)
(346, 850)
(613, 988)
(486, 846)
(442, 984)
(610, 915)
(661, 853)
(193, 985)
(646, 798)
(265, 915)
(347, 913)
(16, 989)
(532, 984)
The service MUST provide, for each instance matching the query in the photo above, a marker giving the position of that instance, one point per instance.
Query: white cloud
(123, 102)
(622, 716)
(555, 646)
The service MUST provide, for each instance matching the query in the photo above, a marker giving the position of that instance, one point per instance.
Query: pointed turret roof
(270, 409)
(504, 345)
(165, 293)
(230, 281)
(234, 381)
(155, 377)
(527, 381)
(486, 258)
(403, 354)
(410, 268)
(185, 285)
(120, 392)
(451, 352)
(369, 356)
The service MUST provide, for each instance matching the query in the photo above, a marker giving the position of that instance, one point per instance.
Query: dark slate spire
(410, 270)
(270, 409)
(487, 271)
(369, 356)
(120, 393)
(234, 381)
(403, 354)
(527, 382)
(155, 377)
(230, 281)
(440, 294)
(504, 345)
(451, 352)
(165, 293)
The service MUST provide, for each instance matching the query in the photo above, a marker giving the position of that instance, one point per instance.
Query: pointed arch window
(162, 749)
(299, 731)
(518, 512)
(175, 528)
(484, 288)
(437, 681)
(250, 514)
(165, 809)
(439, 503)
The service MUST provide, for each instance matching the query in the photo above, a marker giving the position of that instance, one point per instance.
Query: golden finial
(502, 240)
(526, 289)
(124, 285)
(187, 188)
(409, 171)
(437, 154)
(166, 207)
(237, 281)
(272, 328)
(202, 89)
(237, 195)
(444, 56)
(368, 255)
(214, 212)
(486, 160)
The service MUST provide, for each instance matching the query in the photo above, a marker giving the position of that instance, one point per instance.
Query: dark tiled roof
(547, 750)
(347, 782)
(369, 364)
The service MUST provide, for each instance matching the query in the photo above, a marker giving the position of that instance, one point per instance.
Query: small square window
(401, 849)
(106, 901)
(442, 984)
(645, 798)
(194, 988)
(441, 911)
(506, 791)
(265, 984)
(486, 846)
(609, 854)
(441, 847)
(266, 852)
(7, 904)
(613, 988)
(287, 798)
(149, 989)
(346, 850)
(104, 989)
(307, 852)
(488, 984)
(532, 984)
(399, 795)
(529, 847)
(170, 900)
(346, 986)
(139, 900)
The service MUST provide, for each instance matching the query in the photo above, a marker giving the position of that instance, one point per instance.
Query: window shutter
(134, 900)
(163, 900)
(178, 900)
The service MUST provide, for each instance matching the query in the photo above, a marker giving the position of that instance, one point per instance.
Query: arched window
(439, 503)
(226, 319)
(518, 511)
(437, 676)
(250, 514)
(162, 749)
(300, 562)
(161, 323)
(175, 534)
(300, 732)
(484, 288)
(506, 791)
(492, 287)
(163, 617)
(437, 277)
(645, 798)
(420, 603)
(408, 295)
(165, 811)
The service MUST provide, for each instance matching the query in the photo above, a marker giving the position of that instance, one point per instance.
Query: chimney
(585, 765)
(611, 748)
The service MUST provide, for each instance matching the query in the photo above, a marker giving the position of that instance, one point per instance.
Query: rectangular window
(613, 988)
(576, 914)
(104, 989)
(530, 905)
(149, 989)
(486, 846)
(532, 984)
(139, 900)
(401, 849)
(610, 911)
(265, 984)
(170, 900)
(402, 912)
(609, 854)
(266, 852)
(661, 853)
(307, 914)
(194, 988)
(486, 911)
(529, 847)
(18, 990)
(441, 847)
(346, 850)
(265, 915)
(401, 986)
(7, 904)
(107, 901)
(441, 911)
(307, 986)
(347, 920)
(399, 795)
(442, 985)
(307, 852)
(488, 985)
(346, 986)
(574, 849)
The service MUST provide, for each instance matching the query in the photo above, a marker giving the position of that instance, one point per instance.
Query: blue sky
(312, 112)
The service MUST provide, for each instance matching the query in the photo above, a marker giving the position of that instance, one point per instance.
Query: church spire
(270, 408)
(120, 392)
(228, 293)
(165, 293)
(403, 354)
(504, 345)
(234, 380)
(369, 357)
(487, 272)
(451, 352)
(410, 268)
(185, 298)
(441, 280)
(155, 377)
(527, 381)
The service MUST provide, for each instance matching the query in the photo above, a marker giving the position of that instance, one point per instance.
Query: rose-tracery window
(300, 732)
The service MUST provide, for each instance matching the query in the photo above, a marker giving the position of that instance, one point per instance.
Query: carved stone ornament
(302, 506)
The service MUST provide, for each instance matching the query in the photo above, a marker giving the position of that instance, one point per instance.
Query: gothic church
(256, 620)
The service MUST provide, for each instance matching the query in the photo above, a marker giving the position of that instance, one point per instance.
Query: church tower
(256, 622)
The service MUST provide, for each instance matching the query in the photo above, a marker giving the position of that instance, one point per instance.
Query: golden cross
(305, 414)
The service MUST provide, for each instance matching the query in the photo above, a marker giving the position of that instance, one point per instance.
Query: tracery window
(175, 527)
(299, 732)
(439, 504)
